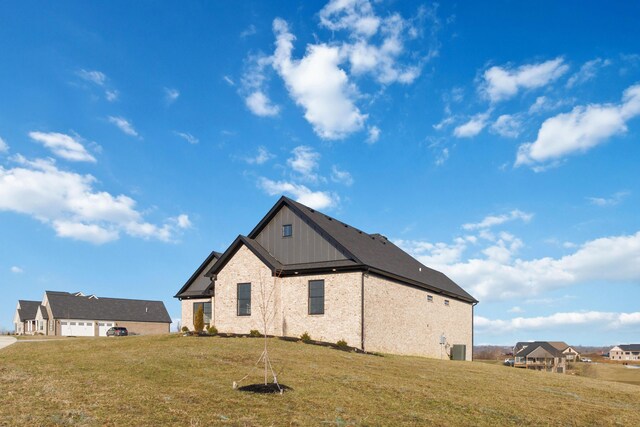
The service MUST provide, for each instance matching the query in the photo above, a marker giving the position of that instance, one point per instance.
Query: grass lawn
(186, 381)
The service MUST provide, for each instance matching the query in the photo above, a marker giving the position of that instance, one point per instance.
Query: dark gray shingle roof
(28, 309)
(377, 252)
(531, 346)
(68, 306)
(629, 347)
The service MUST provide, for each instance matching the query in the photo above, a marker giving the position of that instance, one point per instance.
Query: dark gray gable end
(184, 293)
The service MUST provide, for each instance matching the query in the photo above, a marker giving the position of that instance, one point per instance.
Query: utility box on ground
(458, 352)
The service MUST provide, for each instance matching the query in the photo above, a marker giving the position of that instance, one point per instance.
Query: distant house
(570, 353)
(625, 352)
(333, 281)
(541, 356)
(74, 314)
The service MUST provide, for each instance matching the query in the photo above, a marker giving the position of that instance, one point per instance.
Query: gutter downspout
(472, 329)
(362, 309)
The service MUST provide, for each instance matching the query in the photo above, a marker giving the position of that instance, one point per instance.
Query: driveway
(6, 341)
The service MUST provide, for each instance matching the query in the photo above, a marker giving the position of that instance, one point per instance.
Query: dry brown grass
(186, 381)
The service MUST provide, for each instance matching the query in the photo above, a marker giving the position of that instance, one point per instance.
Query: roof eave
(422, 285)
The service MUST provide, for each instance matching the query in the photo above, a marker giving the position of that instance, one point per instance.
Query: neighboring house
(625, 352)
(74, 314)
(24, 319)
(539, 355)
(570, 353)
(318, 275)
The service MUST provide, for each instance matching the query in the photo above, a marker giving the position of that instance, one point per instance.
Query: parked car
(117, 331)
(585, 359)
(508, 362)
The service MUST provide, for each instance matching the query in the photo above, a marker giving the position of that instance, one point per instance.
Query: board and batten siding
(304, 246)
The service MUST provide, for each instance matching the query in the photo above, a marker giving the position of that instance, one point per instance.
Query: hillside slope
(172, 380)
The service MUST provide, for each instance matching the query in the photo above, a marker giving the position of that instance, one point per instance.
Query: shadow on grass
(265, 388)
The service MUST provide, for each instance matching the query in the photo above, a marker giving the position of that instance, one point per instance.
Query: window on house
(244, 299)
(287, 230)
(430, 298)
(446, 302)
(206, 309)
(316, 296)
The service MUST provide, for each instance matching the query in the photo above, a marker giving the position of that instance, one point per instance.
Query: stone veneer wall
(399, 319)
(187, 311)
(287, 302)
(342, 309)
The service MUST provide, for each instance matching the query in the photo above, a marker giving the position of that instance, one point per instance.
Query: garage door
(76, 328)
(103, 327)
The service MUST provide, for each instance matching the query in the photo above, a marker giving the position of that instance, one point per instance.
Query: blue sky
(495, 142)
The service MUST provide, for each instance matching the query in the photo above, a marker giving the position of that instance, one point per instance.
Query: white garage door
(76, 328)
(103, 327)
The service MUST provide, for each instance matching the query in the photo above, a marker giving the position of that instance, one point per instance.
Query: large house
(625, 352)
(570, 353)
(541, 356)
(75, 314)
(305, 271)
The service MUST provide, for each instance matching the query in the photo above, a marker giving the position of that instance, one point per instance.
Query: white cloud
(124, 125)
(16, 270)
(302, 194)
(501, 83)
(321, 82)
(68, 202)
(305, 161)
(374, 135)
(605, 320)
(432, 254)
(63, 146)
(92, 233)
(4, 147)
(171, 95)
(96, 77)
(183, 221)
(609, 201)
(442, 157)
(228, 80)
(382, 60)
(507, 125)
(544, 103)
(446, 121)
(261, 105)
(356, 16)
(473, 127)
(99, 79)
(249, 31)
(614, 259)
(587, 72)
(262, 157)
(318, 84)
(341, 176)
(493, 220)
(111, 95)
(515, 309)
(581, 129)
(187, 137)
